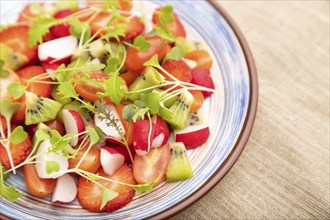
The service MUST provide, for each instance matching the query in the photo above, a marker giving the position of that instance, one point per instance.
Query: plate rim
(243, 136)
(245, 131)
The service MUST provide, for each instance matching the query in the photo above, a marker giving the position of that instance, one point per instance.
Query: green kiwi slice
(40, 109)
(179, 167)
(13, 60)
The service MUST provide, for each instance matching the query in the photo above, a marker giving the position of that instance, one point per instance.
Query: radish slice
(73, 123)
(111, 160)
(192, 136)
(110, 130)
(65, 190)
(57, 49)
(158, 141)
(45, 158)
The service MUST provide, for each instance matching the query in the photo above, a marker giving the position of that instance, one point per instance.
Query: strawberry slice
(176, 26)
(202, 77)
(41, 89)
(3, 124)
(90, 194)
(19, 153)
(177, 68)
(16, 37)
(133, 25)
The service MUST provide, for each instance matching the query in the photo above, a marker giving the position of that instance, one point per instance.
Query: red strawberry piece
(61, 30)
(16, 37)
(19, 116)
(202, 77)
(3, 124)
(177, 68)
(42, 89)
(90, 194)
(133, 29)
(19, 152)
(176, 26)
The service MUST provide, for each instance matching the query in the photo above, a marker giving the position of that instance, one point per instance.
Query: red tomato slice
(135, 58)
(88, 91)
(151, 166)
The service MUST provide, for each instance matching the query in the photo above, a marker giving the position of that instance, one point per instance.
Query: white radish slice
(111, 160)
(110, 130)
(65, 190)
(45, 158)
(59, 48)
(74, 124)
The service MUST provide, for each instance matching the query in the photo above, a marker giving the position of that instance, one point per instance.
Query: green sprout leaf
(129, 111)
(176, 53)
(116, 32)
(39, 28)
(79, 29)
(166, 14)
(112, 65)
(18, 135)
(141, 44)
(67, 90)
(52, 166)
(94, 136)
(110, 4)
(7, 108)
(9, 192)
(16, 89)
(3, 73)
(58, 142)
(140, 114)
(147, 187)
(153, 61)
(115, 88)
(152, 101)
(107, 195)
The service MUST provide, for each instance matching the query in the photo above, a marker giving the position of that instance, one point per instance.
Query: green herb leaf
(152, 100)
(16, 89)
(52, 166)
(153, 62)
(176, 53)
(115, 88)
(166, 14)
(7, 108)
(58, 142)
(112, 65)
(94, 136)
(67, 90)
(110, 4)
(107, 195)
(79, 29)
(41, 135)
(140, 114)
(18, 135)
(2, 172)
(147, 187)
(116, 32)
(39, 28)
(129, 111)
(141, 44)
(164, 32)
(9, 192)
(3, 73)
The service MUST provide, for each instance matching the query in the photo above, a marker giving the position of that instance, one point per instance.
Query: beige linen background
(283, 172)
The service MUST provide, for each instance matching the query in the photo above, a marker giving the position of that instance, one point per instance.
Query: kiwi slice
(13, 60)
(181, 109)
(40, 109)
(148, 78)
(197, 118)
(179, 167)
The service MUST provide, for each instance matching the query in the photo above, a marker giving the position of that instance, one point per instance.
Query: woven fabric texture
(283, 172)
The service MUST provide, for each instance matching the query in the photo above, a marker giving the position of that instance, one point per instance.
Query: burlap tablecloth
(283, 172)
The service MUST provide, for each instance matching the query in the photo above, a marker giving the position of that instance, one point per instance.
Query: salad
(98, 102)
